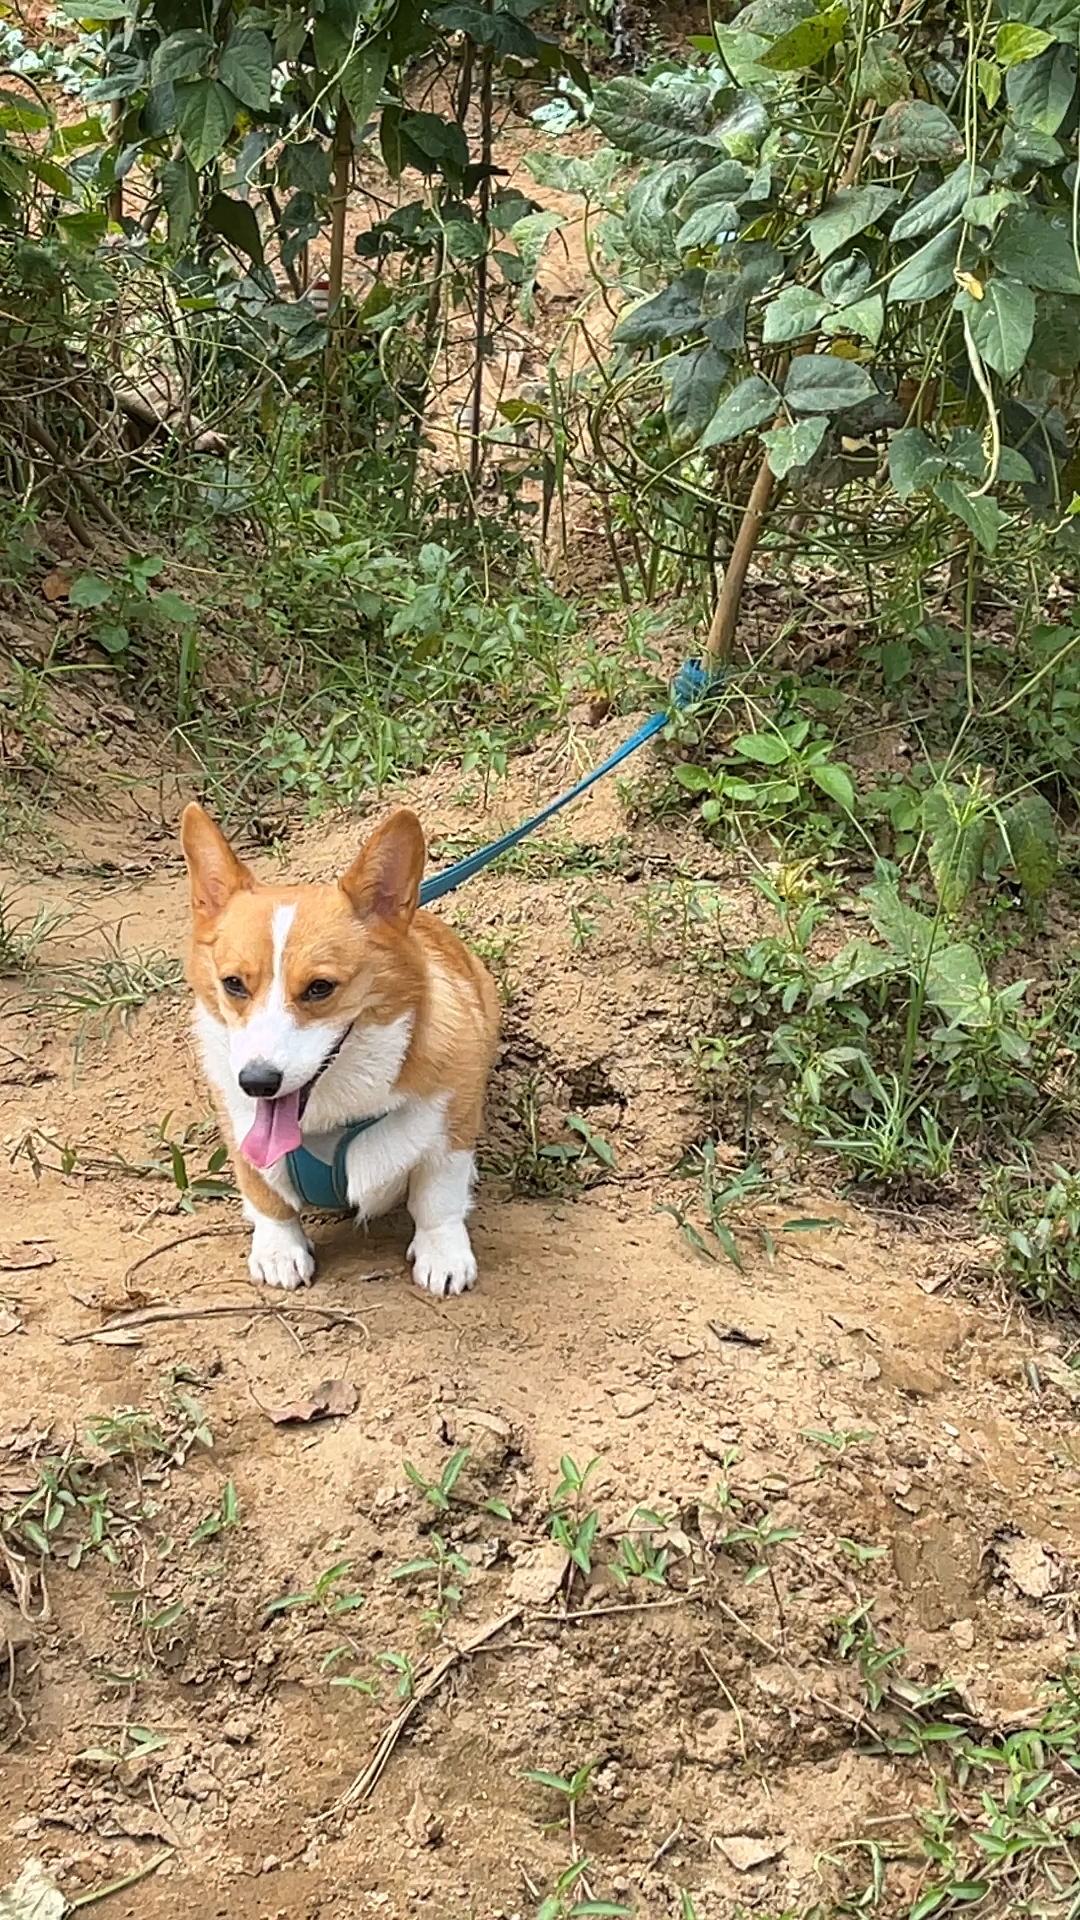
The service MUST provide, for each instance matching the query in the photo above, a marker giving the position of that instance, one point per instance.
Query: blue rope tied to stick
(692, 683)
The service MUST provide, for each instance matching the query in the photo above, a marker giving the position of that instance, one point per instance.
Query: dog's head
(289, 971)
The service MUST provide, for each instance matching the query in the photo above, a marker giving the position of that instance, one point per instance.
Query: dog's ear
(383, 883)
(213, 868)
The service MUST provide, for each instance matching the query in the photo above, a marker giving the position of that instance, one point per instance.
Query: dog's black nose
(260, 1079)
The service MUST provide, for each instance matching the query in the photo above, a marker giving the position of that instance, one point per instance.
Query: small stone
(270, 1864)
(629, 1405)
(963, 1633)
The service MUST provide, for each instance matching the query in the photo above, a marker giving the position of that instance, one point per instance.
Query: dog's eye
(234, 987)
(318, 990)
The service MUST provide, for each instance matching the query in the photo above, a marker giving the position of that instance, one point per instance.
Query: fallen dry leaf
(33, 1897)
(15, 1631)
(1028, 1565)
(56, 585)
(745, 1853)
(538, 1575)
(9, 1320)
(330, 1400)
(18, 1256)
(423, 1826)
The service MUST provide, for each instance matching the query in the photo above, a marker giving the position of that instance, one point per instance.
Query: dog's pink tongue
(276, 1131)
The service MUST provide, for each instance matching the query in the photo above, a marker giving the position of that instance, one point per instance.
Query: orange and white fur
(321, 1005)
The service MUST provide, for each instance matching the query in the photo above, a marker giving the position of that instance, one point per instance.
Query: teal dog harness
(325, 1183)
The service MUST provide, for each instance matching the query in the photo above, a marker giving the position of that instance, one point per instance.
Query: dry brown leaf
(423, 1826)
(538, 1575)
(33, 1896)
(18, 1256)
(1028, 1565)
(56, 585)
(330, 1400)
(745, 1853)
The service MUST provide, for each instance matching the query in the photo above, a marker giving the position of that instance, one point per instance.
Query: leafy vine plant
(852, 270)
(220, 144)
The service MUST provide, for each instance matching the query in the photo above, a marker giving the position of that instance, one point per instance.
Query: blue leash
(325, 1185)
(692, 683)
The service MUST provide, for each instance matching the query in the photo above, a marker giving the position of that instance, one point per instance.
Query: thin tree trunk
(724, 621)
(484, 202)
(333, 410)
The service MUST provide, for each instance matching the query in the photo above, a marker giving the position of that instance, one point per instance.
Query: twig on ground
(664, 1847)
(368, 1779)
(117, 1886)
(181, 1240)
(155, 1316)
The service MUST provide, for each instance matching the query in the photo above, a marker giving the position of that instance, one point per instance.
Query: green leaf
(112, 638)
(661, 123)
(982, 514)
(795, 446)
(530, 236)
(507, 36)
(1002, 323)
(957, 828)
(957, 985)
(693, 381)
(1029, 829)
(304, 165)
(89, 590)
(940, 208)
(171, 606)
(1040, 92)
(846, 279)
(363, 78)
(769, 749)
(850, 211)
(205, 112)
(807, 44)
(725, 182)
(432, 144)
(991, 80)
(181, 55)
(986, 209)
(823, 383)
(929, 271)
(18, 114)
(236, 222)
(793, 312)
(246, 67)
(1015, 42)
(836, 784)
(883, 75)
(864, 318)
(917, 130)
(914, 461)
(694, 779)
(180, 192)
(675, 311)
(1036, 248)
(1023, 148)
(709, 227)
(749, 405)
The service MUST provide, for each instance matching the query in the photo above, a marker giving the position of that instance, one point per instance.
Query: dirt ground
(157, 1708)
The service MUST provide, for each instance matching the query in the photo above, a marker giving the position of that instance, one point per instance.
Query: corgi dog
(340, 1027)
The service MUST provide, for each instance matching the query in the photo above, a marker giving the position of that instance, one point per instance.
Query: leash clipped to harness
(324, 1184)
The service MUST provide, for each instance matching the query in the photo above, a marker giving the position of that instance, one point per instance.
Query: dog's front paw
(443, 1259)
(281, 1254)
